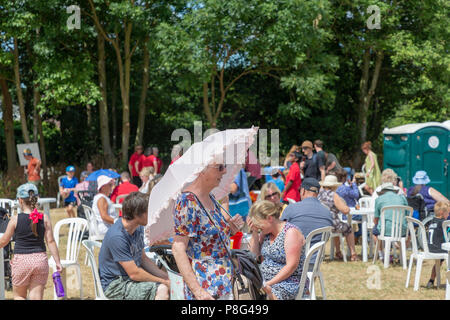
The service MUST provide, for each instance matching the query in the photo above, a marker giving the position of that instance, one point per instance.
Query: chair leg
(322, 286)
(375, 254)
(387, 252)
(418, 272)
(343, 247)
(80, 281)
(408, 276)
(437, 267)
(331, 249)
(403, 253)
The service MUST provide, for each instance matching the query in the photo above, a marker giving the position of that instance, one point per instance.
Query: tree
(282, 40)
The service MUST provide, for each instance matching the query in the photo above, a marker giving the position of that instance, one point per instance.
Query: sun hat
(311, 184)
(24, 189)
(70, 169)
(27, 152)
(307, 143)
(102, 180)
(421, 177)
(330, 181)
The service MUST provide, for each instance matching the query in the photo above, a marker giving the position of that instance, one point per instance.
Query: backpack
(418, 204)
(249, 270)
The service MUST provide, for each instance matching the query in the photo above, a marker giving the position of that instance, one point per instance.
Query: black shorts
(72, 203)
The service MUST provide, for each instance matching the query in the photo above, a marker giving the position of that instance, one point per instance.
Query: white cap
(102, 180)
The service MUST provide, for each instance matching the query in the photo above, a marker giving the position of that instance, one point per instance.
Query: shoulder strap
(235, 269)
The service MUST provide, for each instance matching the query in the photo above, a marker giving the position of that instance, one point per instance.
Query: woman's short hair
(266, 186)
(261, 210)
(134, 205)
(341, 175)
(367, 145)
(388, 175)
(147, 171)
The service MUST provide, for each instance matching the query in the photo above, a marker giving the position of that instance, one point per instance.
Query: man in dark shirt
(321, 158)
(310, 164)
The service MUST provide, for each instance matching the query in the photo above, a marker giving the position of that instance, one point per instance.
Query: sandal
(354, 257)
(339, 256)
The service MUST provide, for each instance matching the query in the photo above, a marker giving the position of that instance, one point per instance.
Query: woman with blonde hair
(270, 192)
(280, 244)
(373, 175)
(146, 175)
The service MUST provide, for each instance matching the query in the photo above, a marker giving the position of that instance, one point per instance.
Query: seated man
(125, 187)
(126, 273)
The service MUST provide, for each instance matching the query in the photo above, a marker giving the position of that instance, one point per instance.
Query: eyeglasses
(305, 148)
(271, 195)
(220, 167)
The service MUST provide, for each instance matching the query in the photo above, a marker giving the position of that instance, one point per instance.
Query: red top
(133, 159)
(175, 159)
(152, 158)
(123, 188)
(294, 176)
(147, 161)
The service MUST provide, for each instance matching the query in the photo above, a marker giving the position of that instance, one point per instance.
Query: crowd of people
(310, 191)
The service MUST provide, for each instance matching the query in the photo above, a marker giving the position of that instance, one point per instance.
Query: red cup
(237, 239)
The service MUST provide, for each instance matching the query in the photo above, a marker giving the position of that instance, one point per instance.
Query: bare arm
(149, 266)
(9, 232)
(139, 274)
(340, 204)
(51, 243)
(233, 188)
(179, 247)
(293, 246)
(437, 196)
(103, 209)
(37, 170)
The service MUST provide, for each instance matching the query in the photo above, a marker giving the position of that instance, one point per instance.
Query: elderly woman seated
(280, 244)
(329, 197)
(387, 195)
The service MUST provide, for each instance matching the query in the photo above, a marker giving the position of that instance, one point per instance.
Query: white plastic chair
(341, 242)
(315, 248)
(420, 256)
(445, 228)
(176, 282)
(90, 246)
(367, 202)
(77, 226)
(59, 196)
(8, 205)
(398, 215)
(325, 233)
(94, 234)
(291, 200)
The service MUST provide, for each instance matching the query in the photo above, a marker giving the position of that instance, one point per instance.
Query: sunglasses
(271, 195)
(305, 148)
(220, 167)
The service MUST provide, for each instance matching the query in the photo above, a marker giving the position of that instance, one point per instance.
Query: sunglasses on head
(271, 195)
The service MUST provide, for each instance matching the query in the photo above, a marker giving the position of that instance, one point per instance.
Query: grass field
(343, 281)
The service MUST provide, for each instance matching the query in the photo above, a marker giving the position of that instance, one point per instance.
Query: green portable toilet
(419, 146)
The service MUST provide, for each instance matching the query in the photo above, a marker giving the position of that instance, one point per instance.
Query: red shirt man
(135, 164)
(293, 181)
(157, 162)
(125, 188)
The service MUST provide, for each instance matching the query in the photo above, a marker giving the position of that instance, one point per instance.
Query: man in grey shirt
(309, 214)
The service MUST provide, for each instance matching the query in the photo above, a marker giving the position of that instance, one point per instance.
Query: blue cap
(70, 168)
(23, 191)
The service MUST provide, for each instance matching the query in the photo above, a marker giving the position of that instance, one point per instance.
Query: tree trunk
(36, 98)
(113, 111)
(206, 107)
(366, 94)
(8, 123)
(142, 106)
(103, 107)
(124, 76)
(23, 117)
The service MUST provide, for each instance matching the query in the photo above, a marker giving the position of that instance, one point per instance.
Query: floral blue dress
(275, 259)
(205, 250)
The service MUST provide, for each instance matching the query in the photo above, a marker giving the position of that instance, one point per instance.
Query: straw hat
(330, 181)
